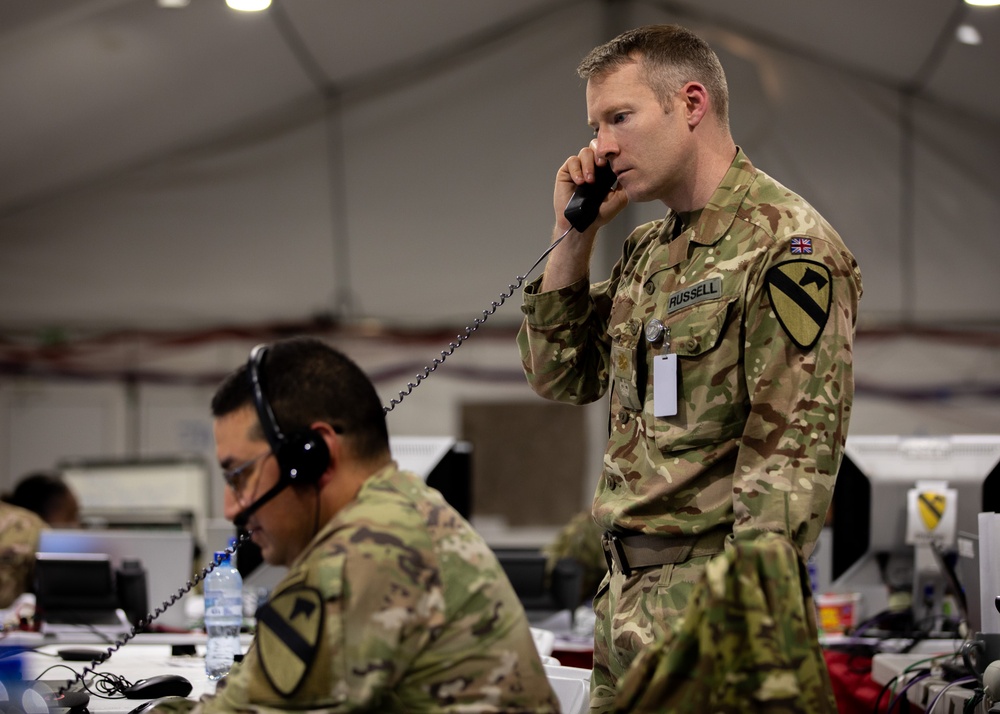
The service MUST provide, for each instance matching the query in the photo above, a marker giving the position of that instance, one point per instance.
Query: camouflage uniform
(759, 298)
(397, 605)
(749, 642)
(19, 531)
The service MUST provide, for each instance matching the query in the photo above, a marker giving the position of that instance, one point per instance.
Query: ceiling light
(172, 3)
(258, 5)
(968, 35)
(983, 3)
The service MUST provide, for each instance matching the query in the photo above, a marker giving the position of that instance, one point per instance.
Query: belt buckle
(614, 552)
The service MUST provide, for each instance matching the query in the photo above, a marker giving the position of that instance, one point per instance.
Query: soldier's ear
(335, 446)
(696, 101)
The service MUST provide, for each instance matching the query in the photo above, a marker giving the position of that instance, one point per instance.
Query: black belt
(644, 551)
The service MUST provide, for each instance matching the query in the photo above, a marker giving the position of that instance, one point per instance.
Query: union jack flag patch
(802, 246)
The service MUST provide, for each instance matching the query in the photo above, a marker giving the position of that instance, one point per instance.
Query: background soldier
(19, 532)
(47, 495)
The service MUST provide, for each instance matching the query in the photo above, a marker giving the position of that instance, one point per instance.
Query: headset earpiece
(302, 456)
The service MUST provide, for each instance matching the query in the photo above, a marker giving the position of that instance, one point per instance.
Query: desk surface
(147, 655)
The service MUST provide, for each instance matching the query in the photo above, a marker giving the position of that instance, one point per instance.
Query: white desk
(572, 687)
(148, 655)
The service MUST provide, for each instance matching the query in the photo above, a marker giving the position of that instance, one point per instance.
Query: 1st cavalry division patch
(800, 293)
(931, 506)
(288, 632)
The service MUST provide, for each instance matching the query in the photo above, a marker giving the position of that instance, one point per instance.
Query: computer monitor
(166, 556)
(160, 493)
(167, 519)
(445, 464)
(542, 592)
(870, 506)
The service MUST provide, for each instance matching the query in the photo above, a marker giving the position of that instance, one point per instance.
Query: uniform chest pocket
(711, 399)
(699, 329)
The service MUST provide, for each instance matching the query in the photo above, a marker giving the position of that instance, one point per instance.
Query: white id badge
(665, 385)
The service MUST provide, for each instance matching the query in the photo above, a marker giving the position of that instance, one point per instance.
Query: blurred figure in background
(19, 530)
(580, 541)
(47, 495)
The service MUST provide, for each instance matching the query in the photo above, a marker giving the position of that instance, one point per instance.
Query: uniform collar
(386, 473)
(718, 215)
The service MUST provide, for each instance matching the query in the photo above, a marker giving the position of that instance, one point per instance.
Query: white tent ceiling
(91, 87)
(111, 93)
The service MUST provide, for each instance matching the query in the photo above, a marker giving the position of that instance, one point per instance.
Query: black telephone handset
(585, 204)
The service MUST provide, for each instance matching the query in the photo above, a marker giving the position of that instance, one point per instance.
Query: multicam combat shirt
(757, 299)
(396, 606)
(20, 530)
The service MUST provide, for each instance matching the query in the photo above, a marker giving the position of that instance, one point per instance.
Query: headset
(302, 456)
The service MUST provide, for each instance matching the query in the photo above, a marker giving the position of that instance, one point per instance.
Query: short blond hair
(668, 57)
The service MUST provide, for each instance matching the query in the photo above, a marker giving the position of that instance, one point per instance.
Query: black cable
(972, 702)
(144, 622)
(476, 324)
(107, 684)
(920, 675)
(888, 685)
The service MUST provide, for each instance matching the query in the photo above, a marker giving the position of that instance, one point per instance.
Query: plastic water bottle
(223, 616)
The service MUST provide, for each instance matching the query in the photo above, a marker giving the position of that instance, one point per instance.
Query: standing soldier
(724, 333)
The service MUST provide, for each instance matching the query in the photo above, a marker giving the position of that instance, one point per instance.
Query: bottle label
(223, 607)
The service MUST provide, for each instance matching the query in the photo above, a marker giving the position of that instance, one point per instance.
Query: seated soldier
(47, 495)
(392, 603)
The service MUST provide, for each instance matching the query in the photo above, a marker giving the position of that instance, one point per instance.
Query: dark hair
(305, 381)
(668, 56)
(40, 492)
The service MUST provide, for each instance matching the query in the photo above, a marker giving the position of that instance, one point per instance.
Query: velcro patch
(800, 292)
(289, 627)
(801, 246)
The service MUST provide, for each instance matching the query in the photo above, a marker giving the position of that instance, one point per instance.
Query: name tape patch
(710, 289)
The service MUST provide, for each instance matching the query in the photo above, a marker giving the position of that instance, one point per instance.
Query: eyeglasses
(236, 476)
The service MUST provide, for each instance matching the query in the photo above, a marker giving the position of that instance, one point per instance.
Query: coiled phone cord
(148, 619)
(476, 324)
(437, 362)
